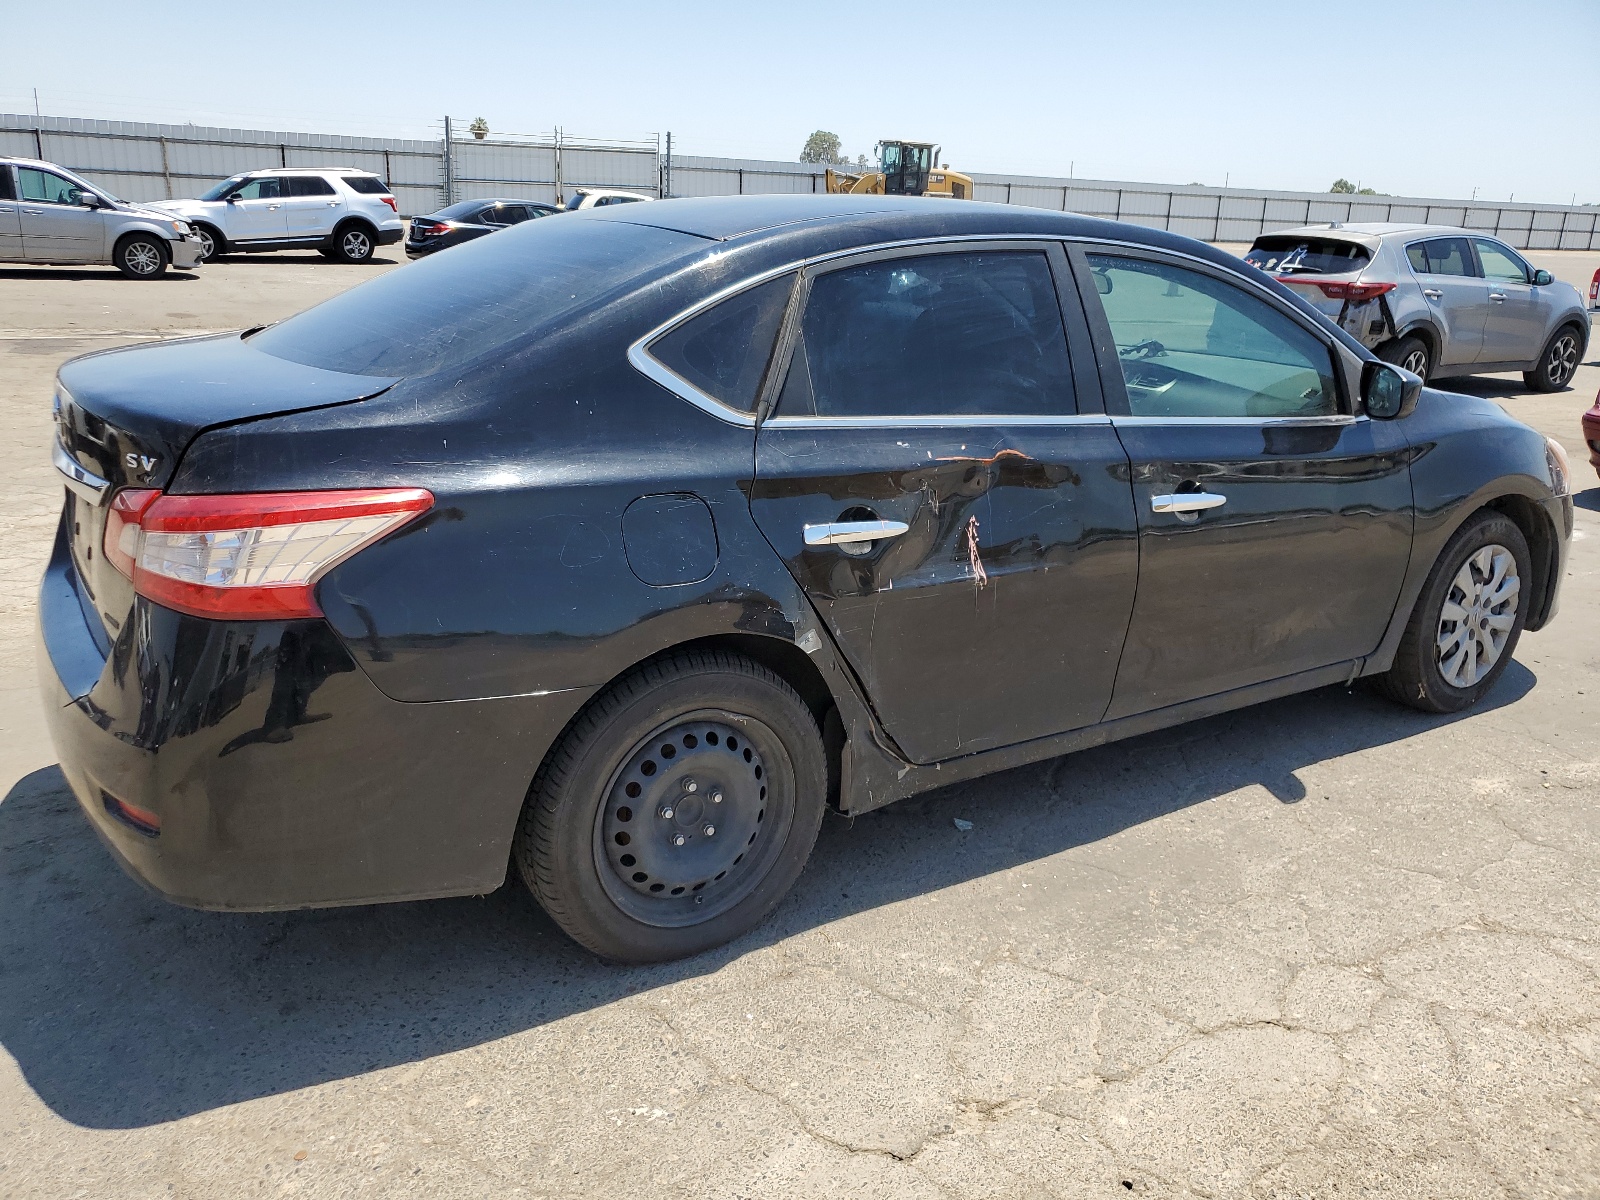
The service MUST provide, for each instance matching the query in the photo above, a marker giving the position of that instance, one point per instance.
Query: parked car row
(747, 507)
(49, 215)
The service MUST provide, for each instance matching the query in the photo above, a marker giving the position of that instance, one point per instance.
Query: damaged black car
(611, 553)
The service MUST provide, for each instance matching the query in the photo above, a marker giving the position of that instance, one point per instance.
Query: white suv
(343, 212)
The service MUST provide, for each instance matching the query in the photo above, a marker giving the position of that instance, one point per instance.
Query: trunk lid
(126, 416)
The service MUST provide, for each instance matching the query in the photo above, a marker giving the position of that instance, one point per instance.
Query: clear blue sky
(1417, 97)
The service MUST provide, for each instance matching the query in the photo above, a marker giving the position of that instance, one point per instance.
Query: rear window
(309, 185)
(461, 210)
(724, 350)
(1307, 256)
(480, 300)
(369, 185)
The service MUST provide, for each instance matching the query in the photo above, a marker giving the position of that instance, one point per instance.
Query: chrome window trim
(1336, 419)
(84, 482)
(934, 421)
(640, 358)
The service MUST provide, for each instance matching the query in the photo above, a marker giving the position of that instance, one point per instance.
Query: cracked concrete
(1323, 948)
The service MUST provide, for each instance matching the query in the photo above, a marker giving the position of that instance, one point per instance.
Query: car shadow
(302, 258)
(124, 1011)
(171, 275)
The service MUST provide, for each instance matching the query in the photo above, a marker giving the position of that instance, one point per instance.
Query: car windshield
(1307, 256)
(481, 299)
(218, 191)
(462, 210)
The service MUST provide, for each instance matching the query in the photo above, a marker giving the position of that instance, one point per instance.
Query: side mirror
(234, 198)
(1389, 392)
(1103, 283)
(90, 200)
(1542, 277)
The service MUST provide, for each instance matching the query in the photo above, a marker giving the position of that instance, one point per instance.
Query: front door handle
(1433, 293)
(1497, 297)
(833, 533)
(1186, 502)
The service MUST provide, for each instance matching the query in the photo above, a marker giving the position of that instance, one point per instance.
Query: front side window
(269, 188)
(1441, 256)
(973, 333)
(724, 350)
(219, 190)
(309, 185)
(46, 187)
(1192, 345)
(1499, 263)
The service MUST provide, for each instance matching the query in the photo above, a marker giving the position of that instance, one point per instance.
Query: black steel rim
(694, 818)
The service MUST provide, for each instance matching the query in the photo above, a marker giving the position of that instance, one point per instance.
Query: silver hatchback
(1435, 300)
(48, 215)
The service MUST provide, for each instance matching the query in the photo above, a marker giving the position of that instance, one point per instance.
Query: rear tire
(677, 810)
(1557, 363)
(353, 243)
(141, 256)
(1472, 608)
(1410, 354)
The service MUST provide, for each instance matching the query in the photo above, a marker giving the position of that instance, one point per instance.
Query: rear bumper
(388, 237)
(281, 777)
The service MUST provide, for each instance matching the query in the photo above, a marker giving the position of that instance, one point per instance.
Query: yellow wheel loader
(907, 169)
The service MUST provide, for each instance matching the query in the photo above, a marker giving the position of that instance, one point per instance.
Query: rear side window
(724, 350)
(495, 214)
(309, 185)
(482, 301)
(1307, 256)
(8, 190)
(960, 333)
(1441, 256)
(367, 185)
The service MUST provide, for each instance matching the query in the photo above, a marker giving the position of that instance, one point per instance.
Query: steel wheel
(688, 828)
(1478, 616)
(355, 245)
(1563, 360)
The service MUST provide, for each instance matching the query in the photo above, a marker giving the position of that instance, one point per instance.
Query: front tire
(1410, 354)
(1467, 620)
(1558, 363)
(212, 243)
(353, 244)
(677, 810)
(141, 256)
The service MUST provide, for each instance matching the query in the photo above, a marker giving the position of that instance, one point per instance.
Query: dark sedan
(615, 552)
(468, 220)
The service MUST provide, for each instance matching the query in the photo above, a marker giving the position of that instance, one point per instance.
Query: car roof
(312, 171)
(1372, 232)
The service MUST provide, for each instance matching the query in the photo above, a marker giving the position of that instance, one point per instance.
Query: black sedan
(467, 220)
(616, 552)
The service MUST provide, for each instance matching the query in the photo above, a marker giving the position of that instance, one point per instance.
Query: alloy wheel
(689, 825)
(1479, 613)
(1416, 362)
(1563, 359)
(143, 258)
(356, 245)
(208, 245)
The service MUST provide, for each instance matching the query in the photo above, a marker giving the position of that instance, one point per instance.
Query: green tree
(822, 147)
(1343, 187)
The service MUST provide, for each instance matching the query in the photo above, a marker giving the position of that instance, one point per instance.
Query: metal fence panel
(148, 161)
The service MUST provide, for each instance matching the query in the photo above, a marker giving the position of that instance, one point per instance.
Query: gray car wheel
(353, 244)
(1409, 354)
(210, 243)
(1558, 363)
(140, 256)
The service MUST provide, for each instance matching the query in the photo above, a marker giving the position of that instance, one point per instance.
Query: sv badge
(139, 462)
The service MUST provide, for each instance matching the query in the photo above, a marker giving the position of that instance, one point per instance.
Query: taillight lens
(436, 229)
(252, 556)
(1344, 291)
(391, 202)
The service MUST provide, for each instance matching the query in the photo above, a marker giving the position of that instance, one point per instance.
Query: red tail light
(436, 229)
(1343, 291)
(252, 556)
(391, 202)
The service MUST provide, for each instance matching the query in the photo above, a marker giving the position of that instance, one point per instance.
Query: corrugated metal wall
(150, 162)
